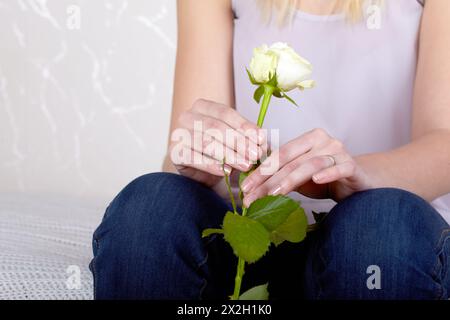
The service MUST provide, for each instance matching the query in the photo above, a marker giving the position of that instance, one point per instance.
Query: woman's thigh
(149, 243)
(380, 244)
(149, 246)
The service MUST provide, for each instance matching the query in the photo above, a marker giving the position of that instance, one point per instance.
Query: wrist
(371, 174)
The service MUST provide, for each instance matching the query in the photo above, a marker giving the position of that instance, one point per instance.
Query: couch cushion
(45, 246)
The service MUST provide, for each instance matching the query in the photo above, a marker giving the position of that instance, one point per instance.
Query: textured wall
(85, 93)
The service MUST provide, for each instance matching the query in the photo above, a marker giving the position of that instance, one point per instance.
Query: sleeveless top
(364, 71)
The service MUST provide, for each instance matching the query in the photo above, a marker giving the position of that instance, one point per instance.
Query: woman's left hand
(314, 164)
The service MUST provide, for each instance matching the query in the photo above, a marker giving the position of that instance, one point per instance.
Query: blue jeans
(377, 244)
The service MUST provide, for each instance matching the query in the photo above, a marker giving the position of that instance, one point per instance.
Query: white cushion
(44, 241)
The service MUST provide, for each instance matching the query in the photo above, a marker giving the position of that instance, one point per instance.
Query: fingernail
(245, 166)
(261, 137)
(254, 153)
(227, 169)
(275, 191)
(317, 177)
(248, 201)
(246, 186)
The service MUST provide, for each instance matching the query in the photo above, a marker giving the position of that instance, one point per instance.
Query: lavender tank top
(364, 76)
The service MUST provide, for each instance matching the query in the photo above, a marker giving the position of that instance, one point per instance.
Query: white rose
(263, 64)
(291, 69)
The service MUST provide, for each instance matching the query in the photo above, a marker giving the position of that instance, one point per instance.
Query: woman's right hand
(210, 133)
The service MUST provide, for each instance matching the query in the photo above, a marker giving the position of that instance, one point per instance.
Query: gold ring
(332, 159)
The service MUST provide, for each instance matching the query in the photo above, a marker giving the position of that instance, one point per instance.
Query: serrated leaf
(272, 211)
(289, 99)
(250, 76)
(256, 293)
(208, 232)
(293, 229)
(248, 238)
(258, 94)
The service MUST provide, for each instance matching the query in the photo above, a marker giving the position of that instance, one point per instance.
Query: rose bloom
(291, 69)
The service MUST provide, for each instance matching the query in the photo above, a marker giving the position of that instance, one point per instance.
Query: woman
(374, 136)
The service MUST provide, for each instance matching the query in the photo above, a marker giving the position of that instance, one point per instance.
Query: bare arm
(423, 166)
(204, 57)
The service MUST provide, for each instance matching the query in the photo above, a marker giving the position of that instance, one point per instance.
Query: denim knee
(159, 202)
(388, 214)
(153, 226)
(390, 229)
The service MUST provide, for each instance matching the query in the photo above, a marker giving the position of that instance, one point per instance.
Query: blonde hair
(285, 9)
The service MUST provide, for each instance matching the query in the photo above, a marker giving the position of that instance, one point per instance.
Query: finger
(294, 153)
(294, 149)
(184, 156)
(272, 165)
(219, 130)
(314, 139)
(340, 171)
(231, 117)
(305, 172)
(200, 176)
(289, 178)
(220, 152)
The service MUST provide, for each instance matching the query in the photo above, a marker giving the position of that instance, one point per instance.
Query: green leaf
(208, 232)
(256, 293)
(272, 211)
(273, 81)
(292, 230)
(277, 93)
(248, 238)
(250, 76)
(289, 99)
(258, 94)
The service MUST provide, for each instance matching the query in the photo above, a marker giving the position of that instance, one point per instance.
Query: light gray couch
(85, 95)
(45, 246)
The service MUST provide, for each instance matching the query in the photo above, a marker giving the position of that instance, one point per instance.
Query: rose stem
(227, 182)
(241, 262)
(238, 279)
(268, 91)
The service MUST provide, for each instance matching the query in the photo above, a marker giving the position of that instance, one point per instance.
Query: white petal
(291, 71)
(279, 46)
(263, 64)
(307, 84)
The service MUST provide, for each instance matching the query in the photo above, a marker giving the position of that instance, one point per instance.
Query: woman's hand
(210, 133)
(314, 164)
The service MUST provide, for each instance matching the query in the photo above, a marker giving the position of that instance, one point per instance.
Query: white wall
(83, 111)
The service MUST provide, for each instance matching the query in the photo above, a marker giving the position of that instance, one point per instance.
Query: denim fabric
(149, 246)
